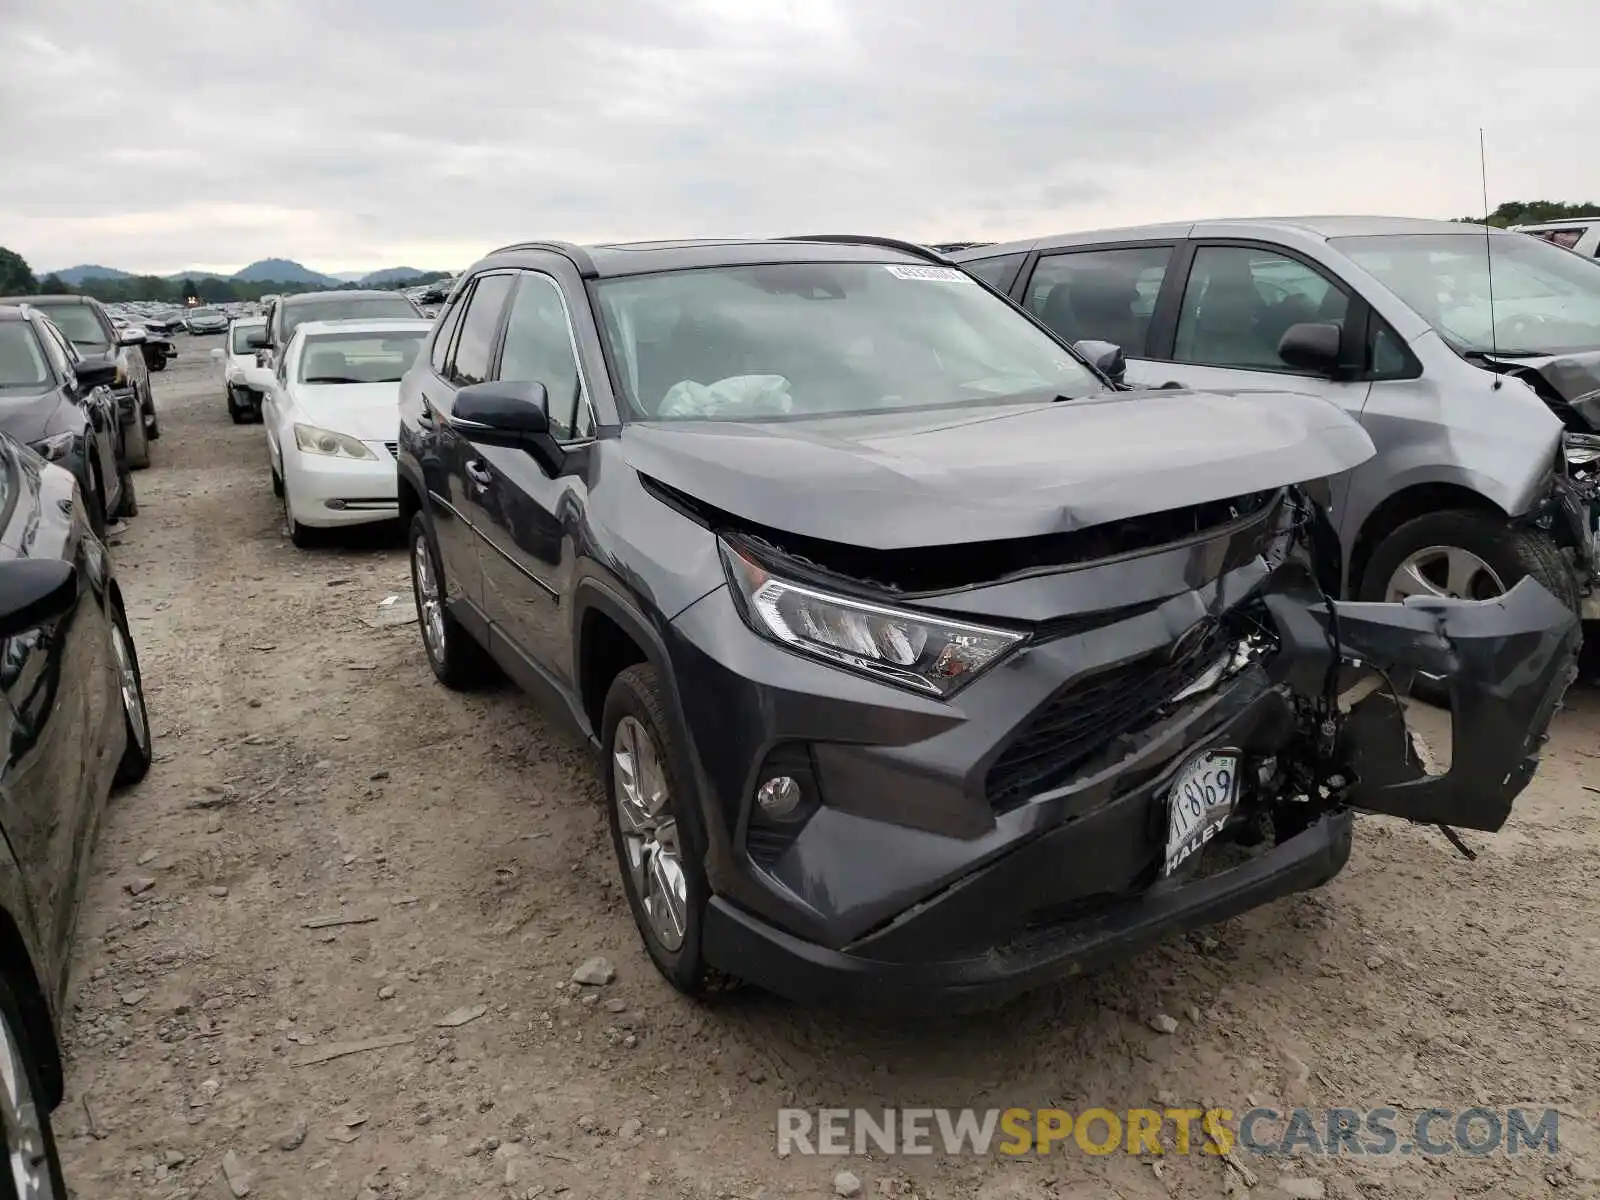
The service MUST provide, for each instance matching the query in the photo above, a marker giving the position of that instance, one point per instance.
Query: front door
(528, 511)
(463, 354)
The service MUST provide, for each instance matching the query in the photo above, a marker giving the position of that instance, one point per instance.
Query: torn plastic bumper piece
(1507, 663)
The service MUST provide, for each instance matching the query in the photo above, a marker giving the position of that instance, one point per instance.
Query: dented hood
(946, 477)
(1574, 377)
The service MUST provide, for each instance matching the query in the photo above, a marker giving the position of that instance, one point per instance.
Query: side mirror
(94, 372)
(33, 591)
(216, 352)
(1311, 346)
(258, 378)
(131, 337)
(510, 413)
(1105, 357)
(257, 341)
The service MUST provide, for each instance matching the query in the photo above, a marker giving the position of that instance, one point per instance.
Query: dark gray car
(286, 313)
(93, 334)
(1487, 431)
(924, 665)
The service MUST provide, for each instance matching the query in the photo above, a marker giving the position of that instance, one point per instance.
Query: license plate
(1199, 804)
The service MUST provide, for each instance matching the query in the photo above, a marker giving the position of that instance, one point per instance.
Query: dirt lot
(309, 767)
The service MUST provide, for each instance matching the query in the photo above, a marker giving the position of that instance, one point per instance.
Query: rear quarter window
(999, 272)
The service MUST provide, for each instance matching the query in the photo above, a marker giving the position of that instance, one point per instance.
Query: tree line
(1534, 212)
(17, 279)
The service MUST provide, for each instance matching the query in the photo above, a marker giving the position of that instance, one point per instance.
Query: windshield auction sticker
(930, 274)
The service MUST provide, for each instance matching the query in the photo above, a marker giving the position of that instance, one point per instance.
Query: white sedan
(244, 381)
(332, 416)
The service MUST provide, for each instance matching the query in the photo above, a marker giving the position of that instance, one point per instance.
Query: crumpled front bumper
(1506, 662)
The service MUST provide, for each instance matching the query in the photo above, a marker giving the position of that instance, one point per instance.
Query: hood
(1575, 378)
(29, 417)
(930, 478)
(369, 411)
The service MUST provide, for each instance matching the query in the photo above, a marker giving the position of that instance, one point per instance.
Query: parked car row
(70, 682)
(932, 646)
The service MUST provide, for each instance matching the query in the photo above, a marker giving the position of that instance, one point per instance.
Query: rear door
(527, 512)
(464, 353)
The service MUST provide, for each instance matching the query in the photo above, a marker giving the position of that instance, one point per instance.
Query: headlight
(55, 447)
(324, 441)
(1581, 449)
(914, 650)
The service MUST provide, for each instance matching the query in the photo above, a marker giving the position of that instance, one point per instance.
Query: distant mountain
(266, 270)
(282, 270)
(389, 275)
(76, 275)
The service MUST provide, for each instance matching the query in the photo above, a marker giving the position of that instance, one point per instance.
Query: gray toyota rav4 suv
(924, 663)
(1487, 431)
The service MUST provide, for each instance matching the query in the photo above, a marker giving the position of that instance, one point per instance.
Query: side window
(447, 322)
(481, 319)
(1387, 356)
(60, 352)
(1239, 301)
(1107, 295)
(538, 349)
(999, 273)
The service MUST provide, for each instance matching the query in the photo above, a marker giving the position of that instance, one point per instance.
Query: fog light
(779, 796)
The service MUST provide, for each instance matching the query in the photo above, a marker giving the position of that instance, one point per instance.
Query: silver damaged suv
(1487, 431)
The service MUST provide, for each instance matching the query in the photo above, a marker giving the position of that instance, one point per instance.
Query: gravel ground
(308, 767)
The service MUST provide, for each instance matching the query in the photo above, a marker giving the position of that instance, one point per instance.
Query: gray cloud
(158, 134)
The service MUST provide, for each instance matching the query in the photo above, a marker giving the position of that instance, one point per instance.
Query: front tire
(1467, 555)
(235, 410)
(458, 661)
(656, 830)
(303, 536)
(138, 752)
(26, 1138)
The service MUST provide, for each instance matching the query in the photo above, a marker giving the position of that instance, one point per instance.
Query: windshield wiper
(1491, 355)
(329, 379)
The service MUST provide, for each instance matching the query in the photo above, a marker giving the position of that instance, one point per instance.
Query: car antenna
(1488, 257)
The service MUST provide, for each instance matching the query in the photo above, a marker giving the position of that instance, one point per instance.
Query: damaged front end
(1506, 662)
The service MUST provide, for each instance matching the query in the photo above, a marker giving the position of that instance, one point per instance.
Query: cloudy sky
(355, 134)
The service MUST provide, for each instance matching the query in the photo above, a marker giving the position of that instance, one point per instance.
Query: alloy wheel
(650, 833)
(430, 603)
(1445, 571)
(21, 1125)
(132, 693)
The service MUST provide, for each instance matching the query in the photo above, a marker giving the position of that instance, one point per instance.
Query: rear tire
(457, 660)
(94, 500)
(138, 753)
(33, 1138)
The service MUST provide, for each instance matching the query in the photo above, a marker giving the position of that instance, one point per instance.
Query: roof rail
(576, 255)
(867, 239)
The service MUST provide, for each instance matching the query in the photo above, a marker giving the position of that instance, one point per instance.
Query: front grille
(1090, 711)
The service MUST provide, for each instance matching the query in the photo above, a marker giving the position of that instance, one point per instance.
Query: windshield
(808, 339)
(359, 308)
(359, 357)
(22, 362)
(1546, 299)
(241, 336)
(203, 312)
(79, 323)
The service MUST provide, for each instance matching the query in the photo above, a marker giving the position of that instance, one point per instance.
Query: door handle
(426, 420)
(478, 475)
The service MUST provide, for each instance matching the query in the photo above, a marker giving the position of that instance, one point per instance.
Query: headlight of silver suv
(914, 650)
(1580, 449)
